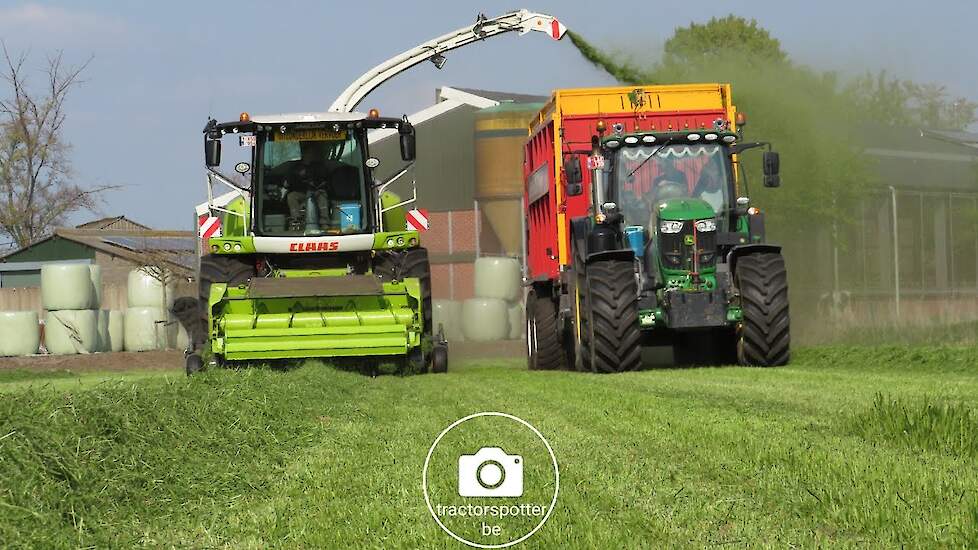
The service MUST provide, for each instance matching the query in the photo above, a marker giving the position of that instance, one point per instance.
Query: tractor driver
(670, 185)
(709, 186)
(307, 176)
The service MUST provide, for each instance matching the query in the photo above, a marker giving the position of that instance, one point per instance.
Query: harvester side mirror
(772, 167)
(212, 152)
(573, 175)
(408, 147)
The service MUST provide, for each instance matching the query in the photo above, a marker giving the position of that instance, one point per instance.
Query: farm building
(469, 175)
(116, 244)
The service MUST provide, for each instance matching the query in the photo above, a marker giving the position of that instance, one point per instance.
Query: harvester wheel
(219, 268)
(394, 265)
(613, 338)
(439, 359)
(544, 351)
(194, 364)
(764, 336)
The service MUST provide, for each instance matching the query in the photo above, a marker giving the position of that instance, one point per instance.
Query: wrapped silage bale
(67, 332)
(497, 277)
(485, 319)
(516, 324)
(146, 329)
(95, 274)
(103, 330)
(19, 333)
(66, 286)
(117, 330)
(448, 314)
(145, 290)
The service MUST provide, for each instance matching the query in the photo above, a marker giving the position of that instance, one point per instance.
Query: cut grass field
(847, 446)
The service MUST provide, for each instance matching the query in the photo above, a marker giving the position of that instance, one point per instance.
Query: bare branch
(36, 191)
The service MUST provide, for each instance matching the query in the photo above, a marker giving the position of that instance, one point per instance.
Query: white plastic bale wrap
(146, 329)
(485, 319)
(19, 333)
(103, 330)
(516, 324)
(497, 277)
(66, 286)
(448, 314)
(145, 290)
(67, 332)
(95, 274)
(117, 330)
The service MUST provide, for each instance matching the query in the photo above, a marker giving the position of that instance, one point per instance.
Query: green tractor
(675, 255)
(313, 257)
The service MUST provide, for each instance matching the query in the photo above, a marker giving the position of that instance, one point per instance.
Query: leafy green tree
(721, 37)
(899, 102)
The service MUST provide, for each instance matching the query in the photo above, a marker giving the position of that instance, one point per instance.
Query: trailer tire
(614, 341)
(764, 336)
(544, 351)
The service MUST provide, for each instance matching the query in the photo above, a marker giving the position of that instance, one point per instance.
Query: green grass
(846, 446)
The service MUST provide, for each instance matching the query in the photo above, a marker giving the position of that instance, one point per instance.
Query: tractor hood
(685, 209)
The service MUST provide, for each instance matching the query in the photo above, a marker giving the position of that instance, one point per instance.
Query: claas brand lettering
(641, 232)
(314, 247)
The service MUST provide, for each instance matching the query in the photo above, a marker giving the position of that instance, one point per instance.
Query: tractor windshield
(310, 182)
(681, 170)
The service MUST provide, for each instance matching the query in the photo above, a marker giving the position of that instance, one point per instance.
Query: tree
(901, 102)
(723, 37)
(36, 188)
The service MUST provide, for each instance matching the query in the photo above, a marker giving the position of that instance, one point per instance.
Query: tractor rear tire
(544, 351)
(614, 341)
(764, 336)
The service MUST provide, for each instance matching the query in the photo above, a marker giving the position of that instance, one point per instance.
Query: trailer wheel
(764, 336)
(544, 351)
(614, 341)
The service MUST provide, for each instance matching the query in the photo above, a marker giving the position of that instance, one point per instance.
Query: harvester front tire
(412, 263)
(614, 341)
(543, 348)
(764, 337)
(219, 268)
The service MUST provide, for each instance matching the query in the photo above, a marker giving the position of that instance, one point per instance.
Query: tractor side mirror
(772, 167)
(408, 147)
(574, 176)
(212, 152)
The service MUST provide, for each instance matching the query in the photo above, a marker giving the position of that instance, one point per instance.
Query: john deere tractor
(313, 258)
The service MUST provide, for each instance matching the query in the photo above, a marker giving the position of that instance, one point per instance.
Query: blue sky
(159, 69)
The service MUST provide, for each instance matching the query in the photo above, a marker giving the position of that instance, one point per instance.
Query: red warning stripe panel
(417, 220)
(209, 226)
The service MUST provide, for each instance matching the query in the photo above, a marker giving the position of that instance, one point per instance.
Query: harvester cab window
(311, 183)
(679, 170)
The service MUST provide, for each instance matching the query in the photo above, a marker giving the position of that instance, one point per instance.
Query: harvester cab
(313, 257)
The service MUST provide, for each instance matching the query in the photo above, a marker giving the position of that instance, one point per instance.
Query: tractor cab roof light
(631, 140)
(648, 139)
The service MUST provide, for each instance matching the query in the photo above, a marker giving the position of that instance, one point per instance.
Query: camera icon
(490, 472)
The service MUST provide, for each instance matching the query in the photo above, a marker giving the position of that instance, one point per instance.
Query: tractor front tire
(613, 338)
(764, 336)
(544, 351)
